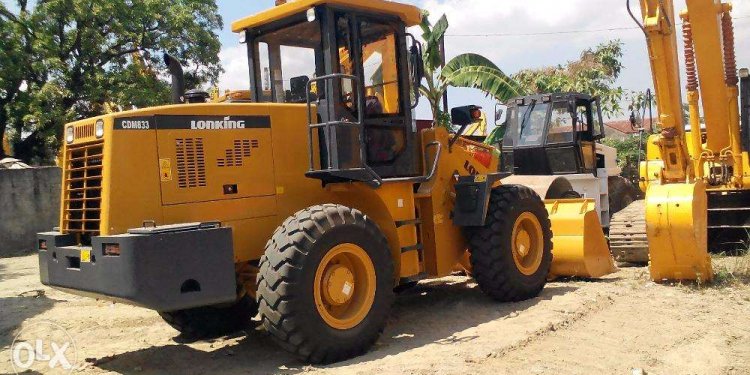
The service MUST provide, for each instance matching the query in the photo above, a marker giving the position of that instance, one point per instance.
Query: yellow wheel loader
(307, 199)
(697, 183)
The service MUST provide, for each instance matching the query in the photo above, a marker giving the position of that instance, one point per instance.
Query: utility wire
(496, 35)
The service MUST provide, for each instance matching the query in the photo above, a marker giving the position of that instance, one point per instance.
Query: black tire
(286, 283)
(492, 261)
(621, 193)
(212, 321)
(571, 194)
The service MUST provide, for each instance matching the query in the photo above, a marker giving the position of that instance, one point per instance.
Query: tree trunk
(3, 125)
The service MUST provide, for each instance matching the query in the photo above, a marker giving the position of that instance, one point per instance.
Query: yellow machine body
(693, 180)
(175, 176)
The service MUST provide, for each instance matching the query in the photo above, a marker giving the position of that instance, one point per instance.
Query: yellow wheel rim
(527, 243)
(344, 286)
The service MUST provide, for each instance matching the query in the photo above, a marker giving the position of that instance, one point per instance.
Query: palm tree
(466, 70)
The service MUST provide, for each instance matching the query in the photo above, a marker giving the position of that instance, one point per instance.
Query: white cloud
(236, 74)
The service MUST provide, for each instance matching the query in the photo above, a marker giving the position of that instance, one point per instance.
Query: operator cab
(349, 63)
(552, 134)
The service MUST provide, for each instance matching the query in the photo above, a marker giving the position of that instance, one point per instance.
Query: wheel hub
(344, 286)
(338, 285)
(527, 243)
(523, 243)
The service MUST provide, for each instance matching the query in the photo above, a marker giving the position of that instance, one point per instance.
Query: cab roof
(410, 14)
(549, 97)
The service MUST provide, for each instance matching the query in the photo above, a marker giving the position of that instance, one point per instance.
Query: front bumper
(163, 268)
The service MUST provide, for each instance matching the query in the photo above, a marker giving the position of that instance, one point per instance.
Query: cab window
(561, 124)
(531, 121)
(379, 68)
(287, 62)
(596, 121)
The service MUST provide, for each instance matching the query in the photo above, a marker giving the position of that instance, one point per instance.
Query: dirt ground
(622, 324)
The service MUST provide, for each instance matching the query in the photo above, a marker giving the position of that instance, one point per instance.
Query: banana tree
(466, 70)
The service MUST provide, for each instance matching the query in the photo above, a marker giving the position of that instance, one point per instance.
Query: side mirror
(499, 112)
(466, 115)
(463, 117)
(416, 68)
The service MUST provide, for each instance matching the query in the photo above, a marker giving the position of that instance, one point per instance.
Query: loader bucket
(579, 247)
(676, 225)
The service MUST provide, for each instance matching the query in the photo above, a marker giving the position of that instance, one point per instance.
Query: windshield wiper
(526, 116)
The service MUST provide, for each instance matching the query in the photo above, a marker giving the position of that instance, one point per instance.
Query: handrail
(433, 170)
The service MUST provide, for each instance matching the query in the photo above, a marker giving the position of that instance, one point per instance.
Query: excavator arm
(659, 26)
(676, 203)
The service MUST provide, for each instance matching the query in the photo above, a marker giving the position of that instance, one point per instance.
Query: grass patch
(731, 270)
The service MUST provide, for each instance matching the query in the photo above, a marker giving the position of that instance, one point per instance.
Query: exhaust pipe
(178, 78)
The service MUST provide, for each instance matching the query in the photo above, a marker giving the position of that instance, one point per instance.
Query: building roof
(410, 14)
(624, 126)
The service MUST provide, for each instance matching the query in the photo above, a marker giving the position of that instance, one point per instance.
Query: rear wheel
(325, 285)
(512, 253)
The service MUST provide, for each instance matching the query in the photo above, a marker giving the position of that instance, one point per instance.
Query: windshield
(531, 121)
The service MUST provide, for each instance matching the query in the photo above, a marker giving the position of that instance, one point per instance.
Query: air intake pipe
(178, 78)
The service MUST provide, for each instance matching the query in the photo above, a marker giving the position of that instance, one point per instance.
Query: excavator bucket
(579, 247)
(676, 224)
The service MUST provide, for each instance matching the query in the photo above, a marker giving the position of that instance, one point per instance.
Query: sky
(560, 30)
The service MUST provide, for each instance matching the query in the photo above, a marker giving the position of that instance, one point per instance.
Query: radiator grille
(233, 156)
(83, 190)
(84, 131)
(191, 163)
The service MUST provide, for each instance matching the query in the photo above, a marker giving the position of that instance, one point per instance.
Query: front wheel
(325, 286)
(512, 253)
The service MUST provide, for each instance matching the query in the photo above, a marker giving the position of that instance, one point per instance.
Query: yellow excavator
(697, 182)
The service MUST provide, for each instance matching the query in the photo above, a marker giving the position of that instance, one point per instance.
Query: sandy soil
(447, 326)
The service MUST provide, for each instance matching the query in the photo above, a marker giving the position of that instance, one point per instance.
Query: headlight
(311, 15)
(99, 128)
(69, 135)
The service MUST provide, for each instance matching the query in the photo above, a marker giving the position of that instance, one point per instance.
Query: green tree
(62, 60)
(595, 73)
(630, 150)
(466, 70)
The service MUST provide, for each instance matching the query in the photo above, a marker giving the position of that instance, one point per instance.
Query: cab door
(590, 130)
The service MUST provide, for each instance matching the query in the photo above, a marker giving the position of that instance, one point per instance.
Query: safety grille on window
(83, 190)
(234, 156)
(191, 163)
